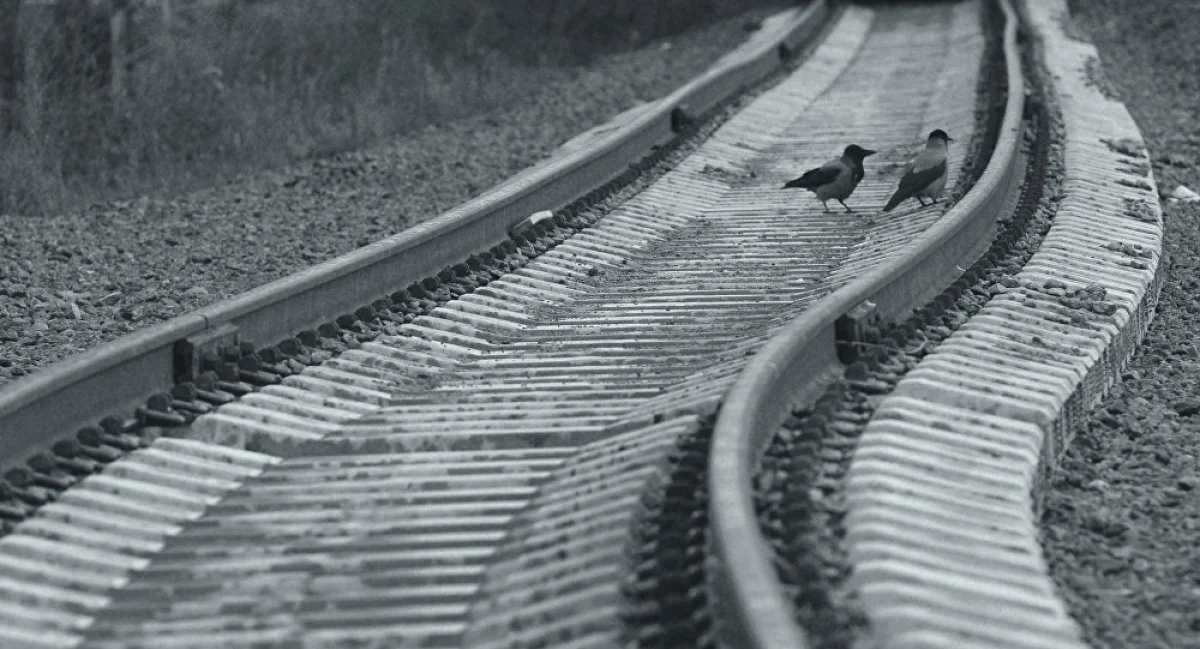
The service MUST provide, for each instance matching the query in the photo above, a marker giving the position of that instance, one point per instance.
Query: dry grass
(249, 86)
(235, 86)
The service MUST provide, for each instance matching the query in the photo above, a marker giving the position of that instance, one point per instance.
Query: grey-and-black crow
(925, 176)
(835, 179)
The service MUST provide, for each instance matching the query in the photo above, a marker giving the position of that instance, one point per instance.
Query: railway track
(494, 456)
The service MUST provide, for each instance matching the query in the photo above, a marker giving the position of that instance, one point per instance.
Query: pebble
(1098, 485)
(1185, 195)
(846, 428)
(1187, 407)
(831, 455)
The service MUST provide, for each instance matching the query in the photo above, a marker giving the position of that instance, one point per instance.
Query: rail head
(115, 378)
(795, 365)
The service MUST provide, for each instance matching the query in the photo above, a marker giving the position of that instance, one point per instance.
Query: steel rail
(116, 377)
(795, 365)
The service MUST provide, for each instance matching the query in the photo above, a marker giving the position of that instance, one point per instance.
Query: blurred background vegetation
(103, 98)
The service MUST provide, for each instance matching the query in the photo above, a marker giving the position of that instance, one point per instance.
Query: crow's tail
(896, 199)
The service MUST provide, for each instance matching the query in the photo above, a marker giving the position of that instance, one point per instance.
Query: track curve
(930, 460)
(800, 361)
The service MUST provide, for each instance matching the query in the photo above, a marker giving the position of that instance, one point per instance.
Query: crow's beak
(867, 152)
(949, 139)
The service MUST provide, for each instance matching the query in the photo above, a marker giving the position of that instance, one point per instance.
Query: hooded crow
(925, 176)
(835, 179)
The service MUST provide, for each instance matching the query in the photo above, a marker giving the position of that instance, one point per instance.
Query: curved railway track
(495, 456)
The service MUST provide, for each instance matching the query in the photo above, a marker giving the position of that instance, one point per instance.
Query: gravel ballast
(73, 281)
(1121, 528)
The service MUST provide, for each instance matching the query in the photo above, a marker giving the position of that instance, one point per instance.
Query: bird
(925, 176)
(835, 179)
